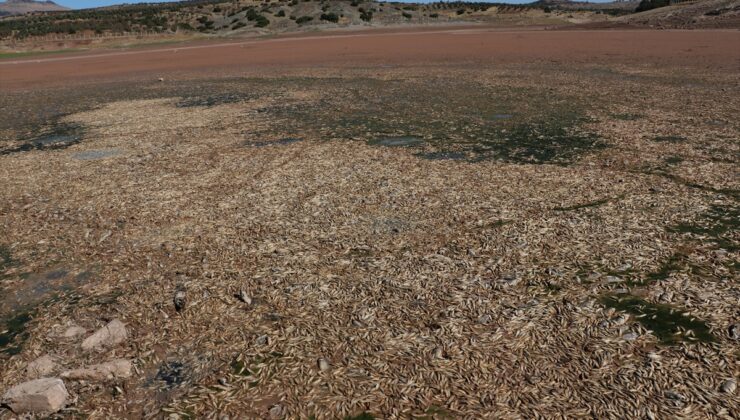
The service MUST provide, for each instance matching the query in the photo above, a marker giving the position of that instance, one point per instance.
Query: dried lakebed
(432, 242)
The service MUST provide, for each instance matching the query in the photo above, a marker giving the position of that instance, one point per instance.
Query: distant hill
(19, 7)
(689, 14)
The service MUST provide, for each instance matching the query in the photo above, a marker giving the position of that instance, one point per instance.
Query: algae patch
(667, 323)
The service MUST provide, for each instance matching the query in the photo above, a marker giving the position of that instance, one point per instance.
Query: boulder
(45, 395)
(43, 366)
(115, 369)
(110, 335)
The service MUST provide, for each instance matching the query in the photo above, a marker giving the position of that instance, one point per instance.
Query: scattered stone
(45, 395)
(621, 319)
(262, 340)
(631, 336)
(729, 386)
(323, 364)
(73, 331)
(180, 300)
(485, 319)
(244, 297)
(223, 382)
(161, 79)
(674, 395)
(734, 331)
(613, 279)
(621, 291)
(43, 366)
(115, 369)
(510, 279)
(110, 335)
(276, 411)
(666, 297)
(438, 353)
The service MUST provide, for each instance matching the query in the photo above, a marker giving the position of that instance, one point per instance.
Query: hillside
(19, 7)
(692, 14)
(248, 16)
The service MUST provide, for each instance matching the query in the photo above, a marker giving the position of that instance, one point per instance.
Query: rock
(276, 411)
(631, 336)
(161, 79)
(485, 319)
(180, 300)
(110, 335)
(47, 395)
(73, 331)
(666, 297)
(262, 340)
(43, 366)
(729, 386)
(613, 279)
(673, 395)
(115, 369)
(510, 279)
(620, 320)
(323, 364)
(734, 331)
(438, 353)
(244, 297)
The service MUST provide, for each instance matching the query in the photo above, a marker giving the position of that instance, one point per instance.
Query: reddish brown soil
(716, 49)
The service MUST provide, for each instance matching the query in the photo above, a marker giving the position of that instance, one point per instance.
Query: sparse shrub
(460, 11)
(406, 15)
(651, 4)
(330, 17)
(434, 15)
(303, 19)
(238, 26)
(280, 13)
(547, 9)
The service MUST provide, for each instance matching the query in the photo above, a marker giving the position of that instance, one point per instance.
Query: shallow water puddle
(96, 154)
(280, 142)
(18, 305)
(58, 136)
(398, 141)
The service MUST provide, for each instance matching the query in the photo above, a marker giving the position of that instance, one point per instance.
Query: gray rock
(729, 386)
(276, 411)
(323, 364)
(631, 336)
(45, 395)
(262, 340)
(734, 331)
(43, 366)
(180, 300)
(115, 369)
(485, 319)
(110, 335)
(73, 331)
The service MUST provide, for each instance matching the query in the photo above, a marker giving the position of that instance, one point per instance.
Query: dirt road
(714, 49)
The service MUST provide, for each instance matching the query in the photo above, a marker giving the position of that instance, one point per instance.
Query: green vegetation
(667, 323)
(330, 17)
(669, 139)
(5, 258)
(303, 19)
(718, 225)
(13, 332)
(651, 4)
